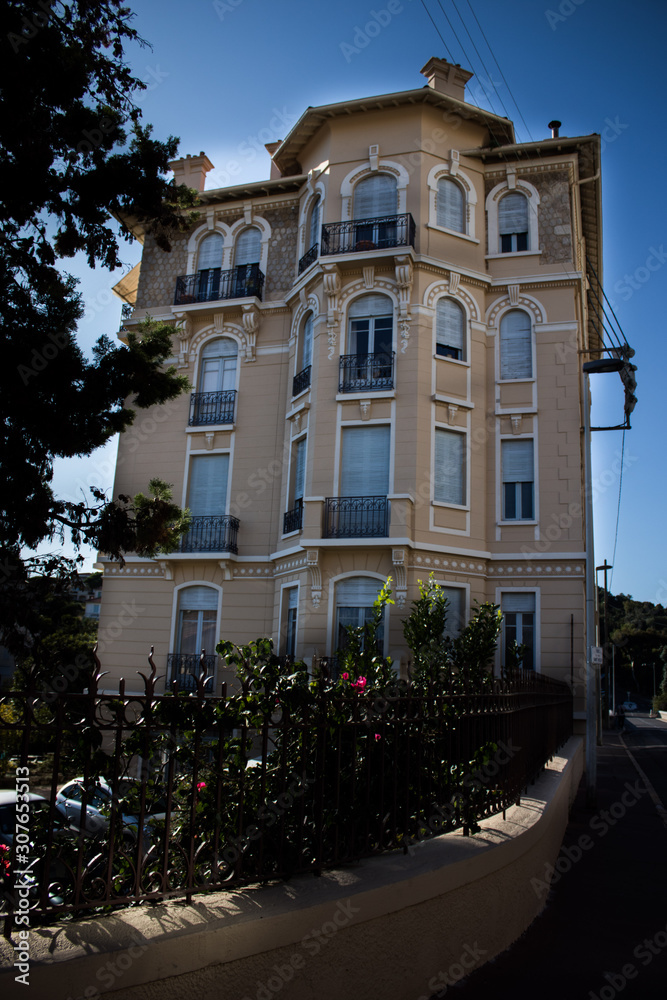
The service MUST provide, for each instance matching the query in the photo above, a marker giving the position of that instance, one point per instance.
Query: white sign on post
(596, 655)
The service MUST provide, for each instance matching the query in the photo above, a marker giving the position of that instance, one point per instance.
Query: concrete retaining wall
(398, 927)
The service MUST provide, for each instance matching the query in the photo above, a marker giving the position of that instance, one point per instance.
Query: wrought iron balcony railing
(211, 533)
(301, 381)
(309, 257)
(383, 233)
(356, 517)
(213, 284)
(212, 407)
(293, 519)
(362, 372)
(186, 668)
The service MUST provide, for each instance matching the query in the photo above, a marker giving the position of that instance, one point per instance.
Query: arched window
(450, 206)
(513, 222)
(450, 330)
(196, 630)
(248, 245)
(209, 254)
(314, 228)
(369, 362)
(218, 365)
(209, 263)
(371, 320)
(516, 350)
(197, 620)
(355, 597)
(375, 198)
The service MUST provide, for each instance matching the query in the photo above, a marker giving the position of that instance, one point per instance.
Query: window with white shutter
(450, 467)
(518, 478)
(450, 330)
(375, 196)
(248, 247)
(307, 342)
(516, 345)
(209, 254)
(518, 608)
(299, 469)
(371, 320)
(365, 464)
(207, 486)
(314, 228)
(450, 205)
(513, 222)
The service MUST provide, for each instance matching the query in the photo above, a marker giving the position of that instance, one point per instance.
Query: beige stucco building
(384, 346)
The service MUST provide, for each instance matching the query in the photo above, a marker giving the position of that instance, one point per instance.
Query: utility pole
(605, 638)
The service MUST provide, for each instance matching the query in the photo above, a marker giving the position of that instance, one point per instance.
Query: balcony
(211, 533)
(383, 233)
(212, 407)
(213, 284)
(186, 668)
(293, 519)
(356, 517)
(309, 257)
(366, 372)
(301, 381)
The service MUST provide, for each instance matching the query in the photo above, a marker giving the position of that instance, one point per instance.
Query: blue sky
(226, 76)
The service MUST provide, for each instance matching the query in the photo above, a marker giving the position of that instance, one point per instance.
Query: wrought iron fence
(212, 407)
(185, 669)
(366, 372)
(293, 519)
(211, 533)
(309, 257)
(383, 233)
(301, 381)
(356, 517)
(213, 284)
(206, 793)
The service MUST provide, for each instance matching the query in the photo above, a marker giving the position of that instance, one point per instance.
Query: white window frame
(518, 520)
(173, 634)
(201, 359)
(332, 624)
(537, 624)
(265, 236)
(305, 215)
(360, 172)
(283, 622)
(466, 331)
(500, 320)
(453, 172)
(465, 472)
(513, 183)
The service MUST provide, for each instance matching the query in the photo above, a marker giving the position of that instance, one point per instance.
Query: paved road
(603, 932)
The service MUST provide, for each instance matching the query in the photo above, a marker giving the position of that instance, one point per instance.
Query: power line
(500, 71)
(447, 52)
(484, 66)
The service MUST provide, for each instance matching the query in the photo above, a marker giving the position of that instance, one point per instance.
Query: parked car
(99, 804)
(629, 706)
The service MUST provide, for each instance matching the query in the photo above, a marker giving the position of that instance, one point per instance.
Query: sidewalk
(604, 929)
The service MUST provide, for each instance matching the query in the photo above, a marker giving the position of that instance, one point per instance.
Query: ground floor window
(519, 625)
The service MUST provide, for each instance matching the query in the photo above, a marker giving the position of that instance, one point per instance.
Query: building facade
(383, 342)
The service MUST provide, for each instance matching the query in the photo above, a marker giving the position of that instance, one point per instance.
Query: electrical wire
(618, 511)
(484, 66)
(509, 91)
(447, 52)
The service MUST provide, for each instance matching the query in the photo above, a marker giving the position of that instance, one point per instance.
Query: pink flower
(360, 683)
(345, 676)
(377, 736)
(200, 785)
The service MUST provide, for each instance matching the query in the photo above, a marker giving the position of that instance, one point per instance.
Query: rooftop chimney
(554, 126)
(446, 78)
(191, 170)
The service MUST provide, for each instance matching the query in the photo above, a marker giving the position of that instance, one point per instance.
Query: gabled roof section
(501, 130)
